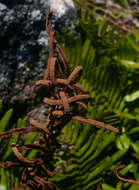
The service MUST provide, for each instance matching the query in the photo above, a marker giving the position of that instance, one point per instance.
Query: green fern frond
(95, 153)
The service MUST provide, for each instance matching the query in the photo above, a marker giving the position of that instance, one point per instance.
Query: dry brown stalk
(100, 185)
(11, 132)
(23, 159)
(95, 123)
(70, 100)
(39, 126)
(64, 101)
(131, 181)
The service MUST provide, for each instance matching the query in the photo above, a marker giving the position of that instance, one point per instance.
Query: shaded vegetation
(111, 68)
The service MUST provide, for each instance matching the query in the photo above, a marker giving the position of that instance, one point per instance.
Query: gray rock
(61, 7)
(42, 39)
(11, 4)
(2, 7)
(24, 47)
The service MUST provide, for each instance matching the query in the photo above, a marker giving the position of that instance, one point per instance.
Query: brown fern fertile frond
(131, 181)
(68, 102)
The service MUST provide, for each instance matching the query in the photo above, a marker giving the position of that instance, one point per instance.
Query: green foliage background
(111, 69)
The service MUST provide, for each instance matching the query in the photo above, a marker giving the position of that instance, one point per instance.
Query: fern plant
(10, 178)
(110, 63)
(92, 155)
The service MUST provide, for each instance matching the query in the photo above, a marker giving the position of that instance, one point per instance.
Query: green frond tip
(108, 187)
(14, 139)
(3, 179)
(132, 97)
(5, 120)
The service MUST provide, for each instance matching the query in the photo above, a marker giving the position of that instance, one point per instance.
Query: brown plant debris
(123, 179)
(100, 185)
(68, 102)
(112, 14)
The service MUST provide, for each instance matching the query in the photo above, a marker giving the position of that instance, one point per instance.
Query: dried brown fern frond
(68, 102)
(131, 181)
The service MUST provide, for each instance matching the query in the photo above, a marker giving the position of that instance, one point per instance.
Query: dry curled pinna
(68, 102)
